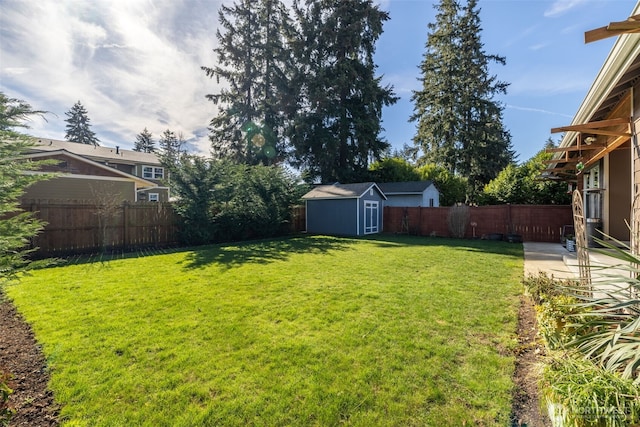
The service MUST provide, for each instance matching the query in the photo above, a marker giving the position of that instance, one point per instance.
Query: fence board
(535, 223)
(82, 227)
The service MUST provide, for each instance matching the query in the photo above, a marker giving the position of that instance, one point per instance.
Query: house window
(431, 203)
(151, 172)
(154, 197)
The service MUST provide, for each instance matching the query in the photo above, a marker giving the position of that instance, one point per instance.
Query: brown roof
(97, 152)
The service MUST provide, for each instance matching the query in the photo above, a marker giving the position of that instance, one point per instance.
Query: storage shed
(411, 194)
(345, 209)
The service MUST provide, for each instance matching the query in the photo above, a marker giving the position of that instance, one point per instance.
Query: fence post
(125, 225)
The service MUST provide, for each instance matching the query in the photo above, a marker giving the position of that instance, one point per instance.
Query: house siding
(404, 200)
(72, 188)
(635, 161)
(332, 216)
(67, 164)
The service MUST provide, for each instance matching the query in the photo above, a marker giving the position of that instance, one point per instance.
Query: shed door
(370, 217)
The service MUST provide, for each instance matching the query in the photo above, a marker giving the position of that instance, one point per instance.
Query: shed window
(154, 197)
(431, 203)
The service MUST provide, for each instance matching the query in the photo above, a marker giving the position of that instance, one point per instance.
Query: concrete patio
(555, 260)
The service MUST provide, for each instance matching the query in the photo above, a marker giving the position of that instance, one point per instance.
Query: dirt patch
(21, 358)
(530, 350)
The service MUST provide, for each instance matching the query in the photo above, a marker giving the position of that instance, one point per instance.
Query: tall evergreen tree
(16, 229)
(79, 126)
(170, 146)
(435, 103)
(144, 142)
(337, 128)
(255, 61)
(459, 121)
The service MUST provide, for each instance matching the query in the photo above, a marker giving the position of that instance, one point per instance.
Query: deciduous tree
(523, 184)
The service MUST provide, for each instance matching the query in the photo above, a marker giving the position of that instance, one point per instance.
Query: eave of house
(140, 182)
(98, 153)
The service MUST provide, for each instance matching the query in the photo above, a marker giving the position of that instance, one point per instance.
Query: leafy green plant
(557, 317)
(542, 286)
(6, 412)
(612, 314)
(584, 394)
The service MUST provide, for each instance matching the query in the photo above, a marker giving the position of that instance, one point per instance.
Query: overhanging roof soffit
(596, 128)
(631, 25)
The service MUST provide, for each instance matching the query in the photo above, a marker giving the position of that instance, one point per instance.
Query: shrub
(458, 220)
(6, 413)
(559, 320)
(541, 286)
(585, 394)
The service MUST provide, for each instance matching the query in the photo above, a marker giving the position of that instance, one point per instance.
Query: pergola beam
(631, 25)
(574, 148)
(596, 127)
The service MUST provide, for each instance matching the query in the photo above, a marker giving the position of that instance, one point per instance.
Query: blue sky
(136, 63)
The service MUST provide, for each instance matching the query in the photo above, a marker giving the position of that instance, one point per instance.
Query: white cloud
(132, 64)
(560, 7)
(537, 110)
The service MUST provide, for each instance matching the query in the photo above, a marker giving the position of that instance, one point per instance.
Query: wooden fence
(534, 223)
(83, 227)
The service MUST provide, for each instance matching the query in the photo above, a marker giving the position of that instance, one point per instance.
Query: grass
(392, 330)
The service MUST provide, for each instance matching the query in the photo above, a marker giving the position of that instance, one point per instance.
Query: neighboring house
(600, 152)
(88, 172)
(411, 194)
(344, 209)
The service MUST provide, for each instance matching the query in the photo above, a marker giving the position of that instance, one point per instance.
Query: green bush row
(582, 389)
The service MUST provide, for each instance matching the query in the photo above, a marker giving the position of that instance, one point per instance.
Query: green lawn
(304, 331)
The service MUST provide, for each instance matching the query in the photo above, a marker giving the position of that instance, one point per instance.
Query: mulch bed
(526, 408)
(21, 358)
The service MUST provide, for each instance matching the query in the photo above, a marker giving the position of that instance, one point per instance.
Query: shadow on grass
(265, 251)
(514, 250)
(232, 255)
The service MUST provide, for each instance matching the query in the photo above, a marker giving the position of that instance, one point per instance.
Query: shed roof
(406, 187)
(342, 191)
(97, 152)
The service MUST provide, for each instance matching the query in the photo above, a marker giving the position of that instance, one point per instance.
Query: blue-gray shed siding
(375, 197)
(343, 217)
(332, 216)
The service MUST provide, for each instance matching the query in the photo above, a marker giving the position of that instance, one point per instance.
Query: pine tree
(435, 103)
(144, 142)
(16, 229)
(170, 146)
(337, 128)
(79, 126)
(254, 59)
(459, 121)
